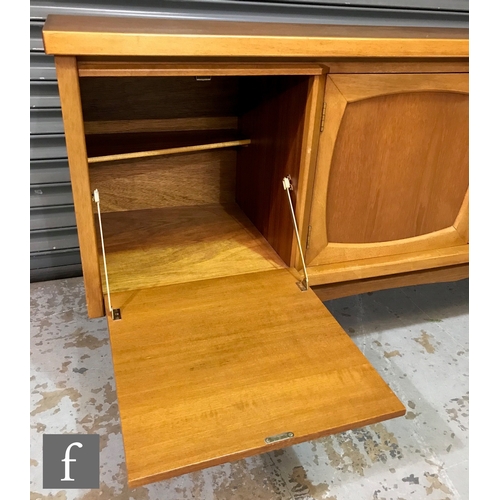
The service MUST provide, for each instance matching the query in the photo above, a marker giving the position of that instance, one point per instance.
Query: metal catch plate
(279, 437)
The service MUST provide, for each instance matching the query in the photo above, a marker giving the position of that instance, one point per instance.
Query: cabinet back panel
(156, 98)
(166, 181)
(399, 168)
(161, 125)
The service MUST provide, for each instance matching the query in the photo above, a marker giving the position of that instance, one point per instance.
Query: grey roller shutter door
(54, 249)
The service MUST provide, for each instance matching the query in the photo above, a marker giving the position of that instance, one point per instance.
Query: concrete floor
(416, 337)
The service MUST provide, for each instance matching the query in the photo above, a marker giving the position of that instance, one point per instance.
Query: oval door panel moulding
(392, 168)
(400, 163)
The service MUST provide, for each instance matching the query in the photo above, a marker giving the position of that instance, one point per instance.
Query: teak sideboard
(228, 177)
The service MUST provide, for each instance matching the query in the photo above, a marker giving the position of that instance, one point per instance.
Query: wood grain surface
(69, 92)
(392, 169)
(461, 223)
(259, 358)
(202, 178)
(157, 98)
(142, 68)
(142, 144)
(388, 265)
(93, 35)
(273, 117)
(400, 167)
(161, 125)
(148, 248)
(357, 87)
(426, 276)
(345, 252)
(304, 185)
(203, 146)
(397, 65)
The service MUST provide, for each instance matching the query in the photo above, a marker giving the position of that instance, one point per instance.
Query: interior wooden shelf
(155, 247)
(124, 146)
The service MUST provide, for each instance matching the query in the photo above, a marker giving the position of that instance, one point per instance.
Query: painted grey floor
(416, 337)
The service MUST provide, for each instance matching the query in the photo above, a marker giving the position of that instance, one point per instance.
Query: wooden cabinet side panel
(312, 126)
(69, 91)
(273, 118)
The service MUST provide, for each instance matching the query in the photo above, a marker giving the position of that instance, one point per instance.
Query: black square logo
(70, 461)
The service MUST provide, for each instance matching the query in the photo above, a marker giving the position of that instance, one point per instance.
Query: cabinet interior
(196, 189)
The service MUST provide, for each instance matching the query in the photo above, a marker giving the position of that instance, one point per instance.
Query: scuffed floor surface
(416, 337)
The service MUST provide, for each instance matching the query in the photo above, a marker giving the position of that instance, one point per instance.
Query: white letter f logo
(67, 460)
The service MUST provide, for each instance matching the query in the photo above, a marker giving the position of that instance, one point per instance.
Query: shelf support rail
(114, 313)
(287, 186)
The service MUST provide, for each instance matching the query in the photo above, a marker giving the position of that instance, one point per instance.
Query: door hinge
(308, 239)
(323, 114)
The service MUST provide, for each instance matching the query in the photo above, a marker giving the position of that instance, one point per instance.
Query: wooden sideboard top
(115, 36)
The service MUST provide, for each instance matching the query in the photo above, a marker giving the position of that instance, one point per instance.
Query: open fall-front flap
(216, 370)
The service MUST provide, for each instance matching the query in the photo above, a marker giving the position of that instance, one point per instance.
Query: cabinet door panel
(392, 171)
(217, 370)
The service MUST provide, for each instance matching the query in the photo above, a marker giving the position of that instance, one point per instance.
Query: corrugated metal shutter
(54, 243)
(54, 249)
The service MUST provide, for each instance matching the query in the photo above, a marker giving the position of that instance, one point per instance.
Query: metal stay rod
(287, 186)
(98, 203)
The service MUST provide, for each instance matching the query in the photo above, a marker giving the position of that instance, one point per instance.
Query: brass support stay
(114, 313)
(287, 186)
